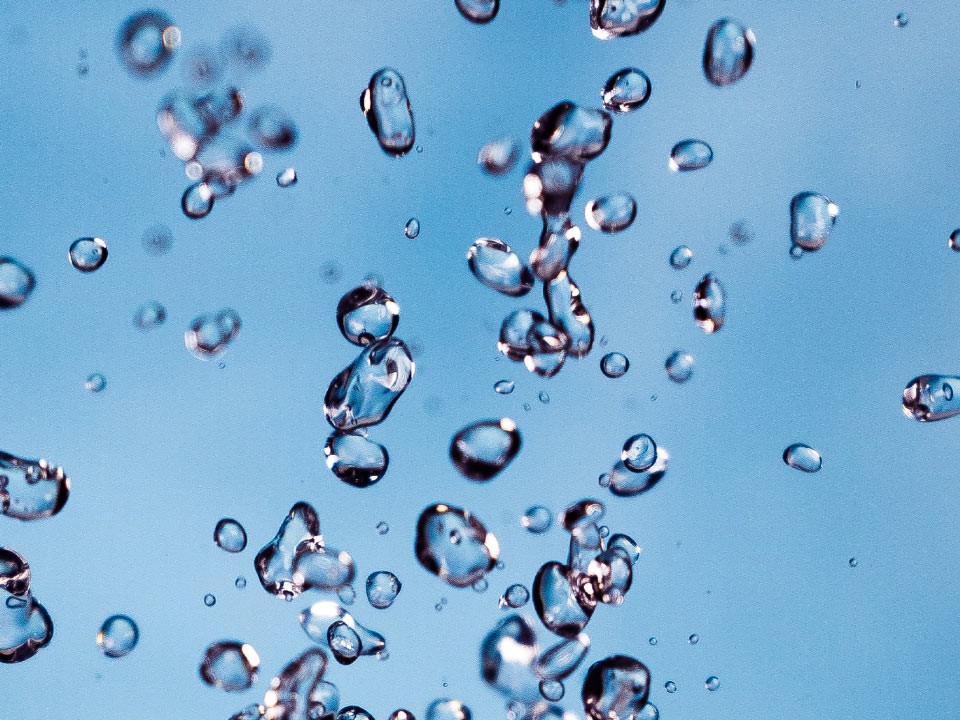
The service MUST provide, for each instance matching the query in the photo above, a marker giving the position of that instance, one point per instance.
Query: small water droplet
(689, 155)
(95, 383)
(812, 217)
(504, 387)
(382, 588)
(150, 316)
(273, 129)
(614, 365)
(571, 132)
(229, 535)
(653, 641)
(515, 596)
(679, 366)
(676, 296)
(671, 686)
(197, 201)
(382, 528)
(118, 636)
(240, 583)
(480, 585)
(247, 48)
(16, 283)
(680, 257)
(364, 392)
(344, 642)
(355, 459)
(544, 397)
(209, 600)
(287, 177)
(740, 232)
(626, 90)
(412, 228)
(507, 210)
(853, 562)
(901, 20)
(537, 519)
(229, 665)
(157, 240)
(552, 690)
(709, 304)
(712, 683)
(88, 254)
(604, 480)
(802, 457)
(728, 52)
(693, 639)
(611, 213)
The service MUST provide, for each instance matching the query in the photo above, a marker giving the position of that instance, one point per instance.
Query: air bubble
(498, 156)
(88, 254)
(626, 90)
(611, 213)
(146, 42)
(382, 588)
(16, 283)
(709, 304)
(287, 177)
(118, 636)
(812, 217)
(209, 335)
(229, 665)
(537, 519)
(367, 313)
(728, 52)
(802, 457)
(690, 155)
(240, 583)
(387, 108)
(229, 535)
(483, 449)
(615, 688)
(95, 383)
(364, 392)
(454, 545)
(495, 264)
(614, 365)
(620, 18)
(150, 316)
(679, 366)
(853, 562)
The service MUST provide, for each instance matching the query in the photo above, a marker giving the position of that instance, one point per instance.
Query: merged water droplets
(626, 90)
(356, 459)
(31, 489)
(478, 11)
(16, 283)
(317, 619)
(25, 625)
(571, 132)
(88, 254)
(709, 304)
(560, 660)
(727, 52)
(454, 545)
(562, 599)
(679, 366)
(298, 690)
(611, 213)
(364, 392)
(625, 482)
(482, 449)
(639, 452)
(689, 155)
(494, 264)
(118, 636)
(615, 688)
(506, 655)
(146, 42)
(229, 665)
(276, 560)
(812, 217)
(614, 365)
(382, 588)
(367, 313)
(559, 240)
(931, 397)
(209, 335)
(498, 156)
(387, 108)
(619, 18)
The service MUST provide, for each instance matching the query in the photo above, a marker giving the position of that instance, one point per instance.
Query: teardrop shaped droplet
(570, 131)
(498, 156)
(503, 387)
(611, 213)
(802, 457)
(229, 535)
(615, 688)
(679, 366)
(932, 397)
(367, 313)
(626, 90)
(88, 254)
(709, 304)
(317, 619)
(680, 257)
(355, 459)
(639, 452)
(229, 665)
(209, 335)
(454, 545)
(728, 52)
(481, 450)
(364, 392)
(689, 155)
(31, 489)
(382, 588)
(620, 18)
(559, 661)
(495, 264)
(812, 217)
(275, 561)
(387, 109)
(614, 365)
(16, 283)
(568, 313)
(478, 11)
(560, 606)
(627, 483)
(146, 42)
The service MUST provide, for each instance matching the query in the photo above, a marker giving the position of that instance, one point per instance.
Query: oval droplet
(620, 18)
(689, 155)
(88, 254)
(229, 665)
(355, 459)
(626, 90)
(561, 607)
(412, 228)
(494, 264)
(344, 642)
(150, 316)
(498, 156)
(364, 392)
(568, 313)
(229, 535)
(481, 450)
(709, 304)
(367, 313)
(209, 335)
(382, 588)
(931, 397)
(627, 483)
(614, 365)
(287, 177)
(537, 519)
(478, 11)
(559, 661)
(503, 387)
(680, 257)
(615, 688)
(639, 452)
(812, 217)
(552, 690)
(387, 109)
(679, 366)
(547, 347)
(515, 596)
(611, 213)
(802, 457)
(197, 201)
(275, 561)
(146, 42)
(31, 489)
(16, 283)
(727, 52)
(454, 545)
(118, 636)
(571, 132)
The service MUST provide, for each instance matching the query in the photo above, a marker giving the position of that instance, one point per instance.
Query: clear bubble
(639, 452)
(209, 600)
(481, 450)
(382, 528)
(287, 177)
(689, 155)
(344, 642)
(272, 128)
(626, 90)
(446, 709)
(615, 688)
(728, 52)
(559, 240)
(537, 519)
(679, 366)
(620, 18)
(382, 588)
(515, 596)
(95, 383)
(812, 217)
(387, 108)
(547, 345)
(693, 639)
(197, 201)
(676, 296)
(412, 228)
(88, 254)
(229, 665)
(157, 240)
(712, 683)
(901, 20)
(627, 483)
(478, 11)
(298, 691)
(495, 264)
(367, 313)
(364, 392)
(561, 606)
(559, 661)
(150, 316)
(614, 365)
(680, 257)
(240, 583)
(611, 213)
(209, 335)
(275, 561)
(802, 457)
(229, 535)
(16, 283)
(569, 131)
(118, 636)
(568, 313)
(317, 618)
(146, 42)
(503, 387)
(31, 489)
(552, 690)
(506, 655)
(709, 304)
(454, 545)
(498, 156)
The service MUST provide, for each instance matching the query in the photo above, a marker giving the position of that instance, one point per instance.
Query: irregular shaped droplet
(150, 316)
(296, 693)
(318, 567)
(367, 313)
(728, 52)
(273, 129)
(478, 11)
(559, 661)
(287, 177)
(25, 625)
(275, 561)
(615, 688)
(626, 90)
(364, 392)
(639, 452)
(582, 512)
(31, 489)
(559, 602)
(559, 240)
(547, 347)
(16, 283)
(382, 588)
(88, 254)
(568, 313)
(931, 397)
(550, 186)
(709, 304)
(570, 131)
(494, 264)
(537, 519)
(503, 387)
(680, 257)
(446, 709)
(481, 450)
(614, 365)
(197, 200)
(118, 636)
(679, 366)
(611, 213)
(14, 572)
(146, 42)
(515, 596)
(353, 712)
(356, 459)
(619, 18)
(317, 618)
(454, 545)
(625, 544)
(802, 457)
(514, 332)
(689, 155)
(498, 156)
(812, 217)
(387, 109)
(506, 655)
(627, 483)
(611, 572)
(344, 642)
(229, 535)
(209, 335)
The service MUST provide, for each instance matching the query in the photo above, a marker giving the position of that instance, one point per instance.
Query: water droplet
(31, 489)
(796, 252)
(88, 254)
(25, 625)
(728, 52)
(689, 155)
(273, 129)
(552, 690)
(16, 283)
(382, 528)
(382, 588)
(275, 561)
(712, 683)
(670, 686)
(503, 387)
(240, 583)
(387, 108)
(367, 313)
(209, 600)
(344, 642)
(586, 511)
(626, 545)
(478, 11)
(146, 42)
(648, 712)
(412, 228)
(229, 665)
(571, 132)
(229, 535)
(611, 213)
(506, 655)
(515, 596)
(812, 217)
(14, 572)
(931, 397)
(537, 519)
(604, 480)
(679, 366)
(355, 459)
(680, 257)
(157, 240)
(901, 20)
(653, 641)
(639, 452)
(150, 316)
(559, 240)
(626, 90)
(527, 407)
(954, 242)
(317, 618)
(246, 47)
(568, 314)
(611, 573)
(287, 177)
(740, 232)
(676, 296)
(709, 304)
(693, 639)
(318, 567)
(802, 457)
(627, 483)
(615, 688)
(459, 563)
(95, 383)
(495, 264)
(559, 661)
(438, 607)
(353, 712)
(197, 201)
(852, 562)
(402, 714)
(544, 397)
(559, 603)
(498, 156)
(620, 18)
(210, 334)
(299, 690)
(480, 585)
(446, 709)
(118, 636)
(484, 448)
(614, 365)
(363, 393)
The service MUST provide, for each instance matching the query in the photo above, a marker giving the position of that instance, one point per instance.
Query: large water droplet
(355, 459)
(612, 574)
(88, 254)
(297, 690)
(275, 561)
(615, 688)
(679, 366)
(568, 313)
(382, 588)
(506, 655)
(446, 709)
(572, 132)
(537, 519)
(454, 545)
(367, 313)
(812, 217)
(626, 90)
(689, 155)
(210, 334)
(709, 304)
(559, 661)
(494, 264)
(146, 42)
(364, 392)
(16, 283)
(229, 535)
(388, 112)
(478, 11)
(627, 483)
(619, 18)
(639, 452)
(611, 213)
(802, 457)
(559, 240)
(229, 665)
(484, 448)
(559, 603)
(498, 156)
(932, 397)
(514, 332)
(727, 52)
(614, 365)
(31, 489)
(317, 619)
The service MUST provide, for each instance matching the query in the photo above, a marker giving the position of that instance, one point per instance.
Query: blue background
(739, 548)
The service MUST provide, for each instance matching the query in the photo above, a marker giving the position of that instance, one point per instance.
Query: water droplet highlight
(287, 177)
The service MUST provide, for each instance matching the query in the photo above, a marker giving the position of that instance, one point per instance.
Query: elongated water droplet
(570, 131)
(802, 457)
(812, 217)
(88, 254)
(537, 519)
(297, 691)
(559, 605)
(506, 655)
(559, 240)
(615, 688)
(568, 313)
(494, 264)
(547, 347)
(229, 535)
(932, 397)
(611, 213)
(612, 574)
(355, 459)
(412, 229)
(689, 155)
(626, 90)
(627, 483)
(382, 588)
(454, 545)
(478, 11)
(446, 709)
(619, 18)
(503, 387)
(498, 156)
(317, 618)
(639, 452)
(481, 450)
(364, 392)
(229, 665)
(559, 661)
(367, 313)
(387, 109)
(709, 304)
(31, 489)
(275, 561)
(679, 366)
(614, 365)
(209, 335)
(728, 52)
(549, 187)
(16, 283)
(146, 42)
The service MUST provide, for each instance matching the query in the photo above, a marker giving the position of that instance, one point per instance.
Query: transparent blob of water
(387, 108)
(454, 545)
